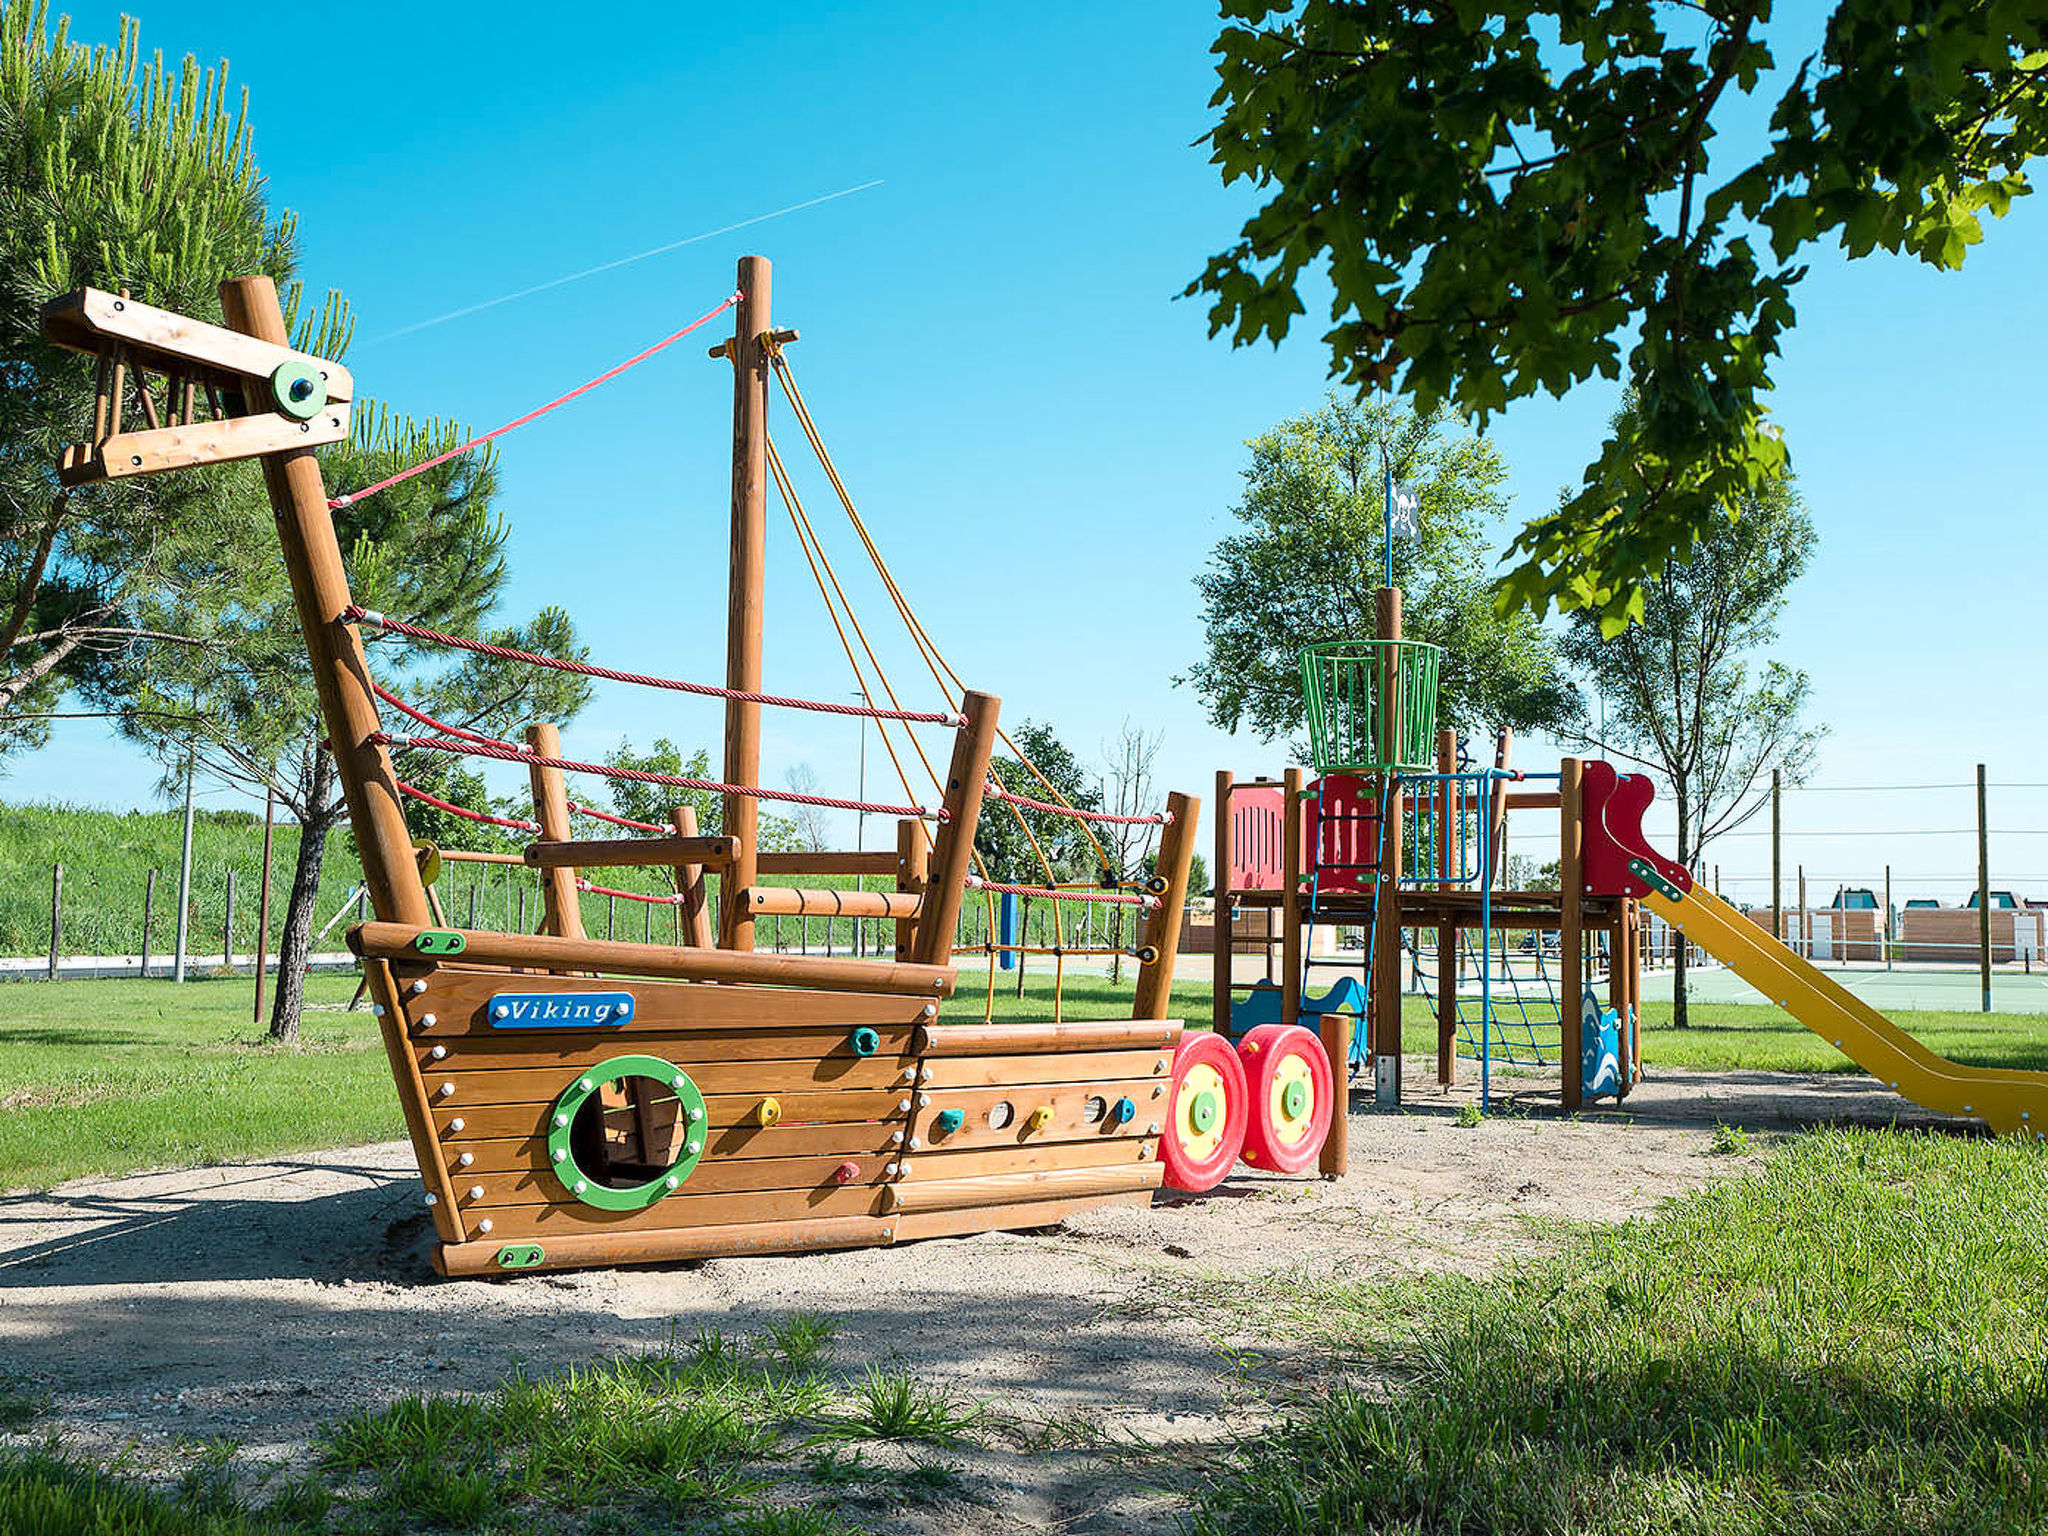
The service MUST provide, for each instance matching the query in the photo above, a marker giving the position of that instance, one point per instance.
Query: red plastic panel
(1255, 826)
(1614, 804)
(1344, 833)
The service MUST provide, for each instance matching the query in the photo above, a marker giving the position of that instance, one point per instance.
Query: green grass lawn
(1728, 1036)
(1851, 1341)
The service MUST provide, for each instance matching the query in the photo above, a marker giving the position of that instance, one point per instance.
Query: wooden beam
(561, 907)
(341, 676)
(632, 852)
(913, 872)
(791, 901)
(746, 594)
(584, 1250)
(394, 941)
(1161, 930)
(1223, 951)
(953, 853)
(690, 882)
(1072, 1035)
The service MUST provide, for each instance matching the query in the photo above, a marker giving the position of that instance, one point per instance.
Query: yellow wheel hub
(1199, 1115)
(1292, 1101)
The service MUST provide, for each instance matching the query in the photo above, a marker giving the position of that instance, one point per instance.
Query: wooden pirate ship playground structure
(579, 1101)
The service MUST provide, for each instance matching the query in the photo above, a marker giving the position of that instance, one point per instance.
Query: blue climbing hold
(949, 1121)
(1122, 1112)
(864, 1042)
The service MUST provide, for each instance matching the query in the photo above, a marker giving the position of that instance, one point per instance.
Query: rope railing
(1054, 893)
(350, 498)
(506, 753)
(618, 821)
(1158, 819)
(355, 613)
(413, 791)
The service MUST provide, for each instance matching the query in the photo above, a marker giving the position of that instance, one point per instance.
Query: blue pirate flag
(1404, 513)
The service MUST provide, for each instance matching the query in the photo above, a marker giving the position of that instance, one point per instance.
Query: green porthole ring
(299, 390)
(586, 1085)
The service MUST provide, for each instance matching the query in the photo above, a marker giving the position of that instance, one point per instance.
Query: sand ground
(253, 1301)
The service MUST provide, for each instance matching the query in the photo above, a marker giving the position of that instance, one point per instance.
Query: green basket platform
(1342, 684)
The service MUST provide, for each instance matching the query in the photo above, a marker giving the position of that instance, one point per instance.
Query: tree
(1012, 840)
(124, 173)
(1683, 690)
(1510, 200)
(1311, 555)
(813, 831)
(651, 803)
(427, 550)
(1127, 790)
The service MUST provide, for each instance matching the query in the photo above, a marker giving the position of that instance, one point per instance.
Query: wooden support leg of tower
(953, 850)
(561, 909)
(1291, 915)
(1571, 939)
(913, 874)
(696, 905)
(748, 352)
(1160, 933)
(1220, 926)
(341, 676)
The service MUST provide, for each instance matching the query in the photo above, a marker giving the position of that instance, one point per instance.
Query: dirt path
(253, 1301)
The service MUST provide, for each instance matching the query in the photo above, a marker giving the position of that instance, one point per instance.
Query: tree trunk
(1680, 1017)
(294, 945)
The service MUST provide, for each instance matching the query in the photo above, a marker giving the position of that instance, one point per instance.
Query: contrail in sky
(624, 261)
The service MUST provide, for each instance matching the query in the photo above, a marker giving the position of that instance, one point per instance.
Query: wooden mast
(748, 353)
(312, 554)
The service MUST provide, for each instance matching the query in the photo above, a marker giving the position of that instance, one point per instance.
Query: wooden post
(1571, 938)
(1161, 928)
(56, 916)
(748, 352)
(1451, 827)
(561, 908)
(953, 852)
(1386, 1000)
(913, 872)
(695, 909)
(1777, 862)
(263, 900)
(1984, 894)
(149, 916)
(1221, 957)
(1292, 861)
(312, 556)
(227, 928)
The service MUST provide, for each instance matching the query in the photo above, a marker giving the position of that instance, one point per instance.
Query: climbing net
(1117, 888)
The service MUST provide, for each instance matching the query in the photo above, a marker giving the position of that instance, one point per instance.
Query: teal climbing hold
(1122, 1112)
(864, 1042)
(949, 1121)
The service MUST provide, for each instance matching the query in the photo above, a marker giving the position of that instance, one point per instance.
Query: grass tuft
(1730, 1141)
(889, 1405)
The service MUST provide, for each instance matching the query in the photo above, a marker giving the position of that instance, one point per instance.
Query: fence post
(1983, 894)
(227, 928)
(56, 916)
(148, 914)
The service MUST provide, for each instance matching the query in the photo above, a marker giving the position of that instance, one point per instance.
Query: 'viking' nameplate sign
(560, 1010)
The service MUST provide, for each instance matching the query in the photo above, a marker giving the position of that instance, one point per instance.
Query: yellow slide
(2006, 1099)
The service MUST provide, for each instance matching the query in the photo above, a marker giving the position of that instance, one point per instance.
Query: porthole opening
(1093, 1108)
(628, 1132)
(1000, 1115)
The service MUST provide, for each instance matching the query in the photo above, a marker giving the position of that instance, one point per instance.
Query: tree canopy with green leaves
(1310, 555)
(123, 173)
(1510, 200)
(1007, 833)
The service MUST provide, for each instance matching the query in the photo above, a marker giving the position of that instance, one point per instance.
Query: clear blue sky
(1043, 437)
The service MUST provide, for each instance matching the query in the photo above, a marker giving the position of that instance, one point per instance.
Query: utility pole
(1983, 894)
(1777, 860)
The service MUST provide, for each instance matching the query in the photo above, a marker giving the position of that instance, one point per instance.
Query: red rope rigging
(1163, 818)
(670, 900)
(506, 753)
(351, 497)
(619, 821)
(510, 823)
(356, 614)
(1113, 898)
